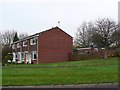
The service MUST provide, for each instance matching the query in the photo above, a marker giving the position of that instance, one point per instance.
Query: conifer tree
(15, 38)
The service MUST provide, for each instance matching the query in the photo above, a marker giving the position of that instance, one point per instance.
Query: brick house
(53, 45)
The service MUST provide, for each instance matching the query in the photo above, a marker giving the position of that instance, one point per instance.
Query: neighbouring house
(53, 45)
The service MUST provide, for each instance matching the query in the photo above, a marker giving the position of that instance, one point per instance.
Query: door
(28, 58)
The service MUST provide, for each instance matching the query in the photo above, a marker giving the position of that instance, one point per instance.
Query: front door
(28, 58)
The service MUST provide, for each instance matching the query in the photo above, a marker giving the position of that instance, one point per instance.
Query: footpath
(102, 85)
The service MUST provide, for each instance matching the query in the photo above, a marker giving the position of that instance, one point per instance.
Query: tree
(102, 33)
(6, 37)
(116, 36)
(7, 57)
(83, 35)
(15, 38)
(6, 50)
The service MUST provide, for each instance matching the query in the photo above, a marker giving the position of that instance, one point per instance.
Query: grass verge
(76, 72)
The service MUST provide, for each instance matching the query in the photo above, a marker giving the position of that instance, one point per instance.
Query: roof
(83, 48)
(37, 34)
(56, 28)
(87, 48)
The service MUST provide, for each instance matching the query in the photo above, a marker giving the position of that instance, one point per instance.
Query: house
(53, 45)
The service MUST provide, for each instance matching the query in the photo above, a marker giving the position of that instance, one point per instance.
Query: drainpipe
(37, 49)
(20, 49)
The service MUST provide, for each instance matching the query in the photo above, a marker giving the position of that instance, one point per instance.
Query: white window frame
(18, 45)
(21, 55)
(31, 41)
(96, 49)
(13, 46)
(34, 52)
(24, 45)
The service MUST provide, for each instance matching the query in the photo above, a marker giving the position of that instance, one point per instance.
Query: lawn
(73, 72)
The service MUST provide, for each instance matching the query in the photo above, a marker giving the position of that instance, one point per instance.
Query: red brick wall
(111, 53)
(28, 45)
(93, 54)
(54, 46)
(15, 47)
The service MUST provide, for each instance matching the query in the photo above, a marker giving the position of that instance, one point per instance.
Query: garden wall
(93, 54)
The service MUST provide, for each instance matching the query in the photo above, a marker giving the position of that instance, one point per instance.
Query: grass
(74, 72)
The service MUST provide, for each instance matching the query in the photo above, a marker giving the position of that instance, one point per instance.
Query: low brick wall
(93, 54)
(111, 53)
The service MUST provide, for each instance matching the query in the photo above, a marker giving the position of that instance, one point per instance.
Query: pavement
(102, 85)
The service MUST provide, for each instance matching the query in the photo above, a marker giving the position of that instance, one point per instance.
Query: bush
(3, 64)
(6, 58)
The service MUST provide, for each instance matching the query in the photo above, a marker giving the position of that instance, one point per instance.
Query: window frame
(25, 45)
(13, 46)
(22, 53)
(35, 41)
(34, 53)
(18, 45)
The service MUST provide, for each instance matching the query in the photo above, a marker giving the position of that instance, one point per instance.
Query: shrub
(6, 58)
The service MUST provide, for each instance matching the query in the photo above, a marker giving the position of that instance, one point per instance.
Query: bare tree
(102, 33)
(98, 34)
(23, 35)
(116, 36)
(83, 35)
(7, 37)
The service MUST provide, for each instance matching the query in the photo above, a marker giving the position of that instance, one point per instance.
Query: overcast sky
(33, 16)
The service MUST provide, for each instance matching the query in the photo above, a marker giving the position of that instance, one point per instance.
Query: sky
(33, 16)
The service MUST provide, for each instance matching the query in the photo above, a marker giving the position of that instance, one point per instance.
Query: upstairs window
(33, 41)
(13, 46)
(25, 43)
(18, 45)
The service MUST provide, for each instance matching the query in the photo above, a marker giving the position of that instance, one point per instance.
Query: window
(22, 55)
(34, 55)
(96, 49)
(33, 41)
(25, 43)
(13, 46)
(16, 56)
(18, 45)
